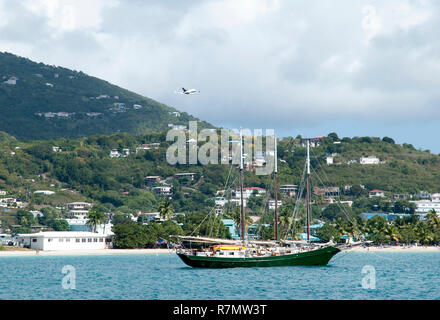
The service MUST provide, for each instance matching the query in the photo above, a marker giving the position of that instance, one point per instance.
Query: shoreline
(395, 249)
(32, 253)
(101, 252)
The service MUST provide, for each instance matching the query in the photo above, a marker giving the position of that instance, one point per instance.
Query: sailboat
(227, 253)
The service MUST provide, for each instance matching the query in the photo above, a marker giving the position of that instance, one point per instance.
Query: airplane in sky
(189, 91)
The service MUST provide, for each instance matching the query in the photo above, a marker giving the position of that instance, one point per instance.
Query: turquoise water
(164, 277)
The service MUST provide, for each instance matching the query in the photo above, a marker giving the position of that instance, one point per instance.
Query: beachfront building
(63, 241)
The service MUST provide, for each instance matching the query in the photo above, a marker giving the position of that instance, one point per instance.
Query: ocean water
(165, 277)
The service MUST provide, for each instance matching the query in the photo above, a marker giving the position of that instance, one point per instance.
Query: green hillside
(84, 171)
(39, 101)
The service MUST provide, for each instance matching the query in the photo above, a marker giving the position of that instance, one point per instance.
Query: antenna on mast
(243, 229)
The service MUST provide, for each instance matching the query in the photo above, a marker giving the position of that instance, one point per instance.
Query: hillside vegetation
(84, 165)
(39, 101)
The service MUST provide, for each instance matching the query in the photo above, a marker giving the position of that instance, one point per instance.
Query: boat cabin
(224, 251)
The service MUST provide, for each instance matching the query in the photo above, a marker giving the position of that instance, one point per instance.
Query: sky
(354, 67)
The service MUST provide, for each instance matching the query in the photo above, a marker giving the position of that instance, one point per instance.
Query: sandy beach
(25, 253)
(395, 249)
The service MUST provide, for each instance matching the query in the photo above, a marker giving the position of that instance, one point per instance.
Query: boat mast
(308, 190)
(243, 229)
(276, 190)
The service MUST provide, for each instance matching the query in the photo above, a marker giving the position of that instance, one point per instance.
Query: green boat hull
(319, 257)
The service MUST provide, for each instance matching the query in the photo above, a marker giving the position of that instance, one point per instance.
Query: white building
(78, 205)
(220, 201)
(271, 204)
(249, 191)
(376, 193)
(7, 202)
(114, 154)
(63, 240)
(151, 216)
(45, 192)
(11, 81)
(237, 202)
(424, 206)
(37, 213)
(369, 160)
(79, 210)
(162, 190)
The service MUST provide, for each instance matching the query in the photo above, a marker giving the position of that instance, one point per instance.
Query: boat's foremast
(308, 190)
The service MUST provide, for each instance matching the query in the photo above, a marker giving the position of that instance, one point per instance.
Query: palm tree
(96, 217)
(432, 219)
(391, 233)
(165, 209)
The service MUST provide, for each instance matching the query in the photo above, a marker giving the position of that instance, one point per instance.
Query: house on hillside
(369, 160)
(45, 192)
(114, 154)
(376, 193)
(271, 204)
(289, 189)
(326, 191)
(162, 191)
(151, 180)
(189, 175)
(11, 81)
(314, 142)
(249, 191)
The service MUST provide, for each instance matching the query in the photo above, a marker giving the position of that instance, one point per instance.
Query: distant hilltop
(39, 101)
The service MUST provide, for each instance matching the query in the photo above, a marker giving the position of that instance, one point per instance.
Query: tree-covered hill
(39, 101)
(85, 165)
(82, 170)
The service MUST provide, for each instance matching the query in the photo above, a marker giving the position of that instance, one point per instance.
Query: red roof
(376, 191)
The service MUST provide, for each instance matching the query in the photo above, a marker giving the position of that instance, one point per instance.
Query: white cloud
(279, 63)
(70, 15)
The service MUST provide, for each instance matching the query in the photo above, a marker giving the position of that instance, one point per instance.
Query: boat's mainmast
(308, 190)
(243, 222)
(276, 189)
